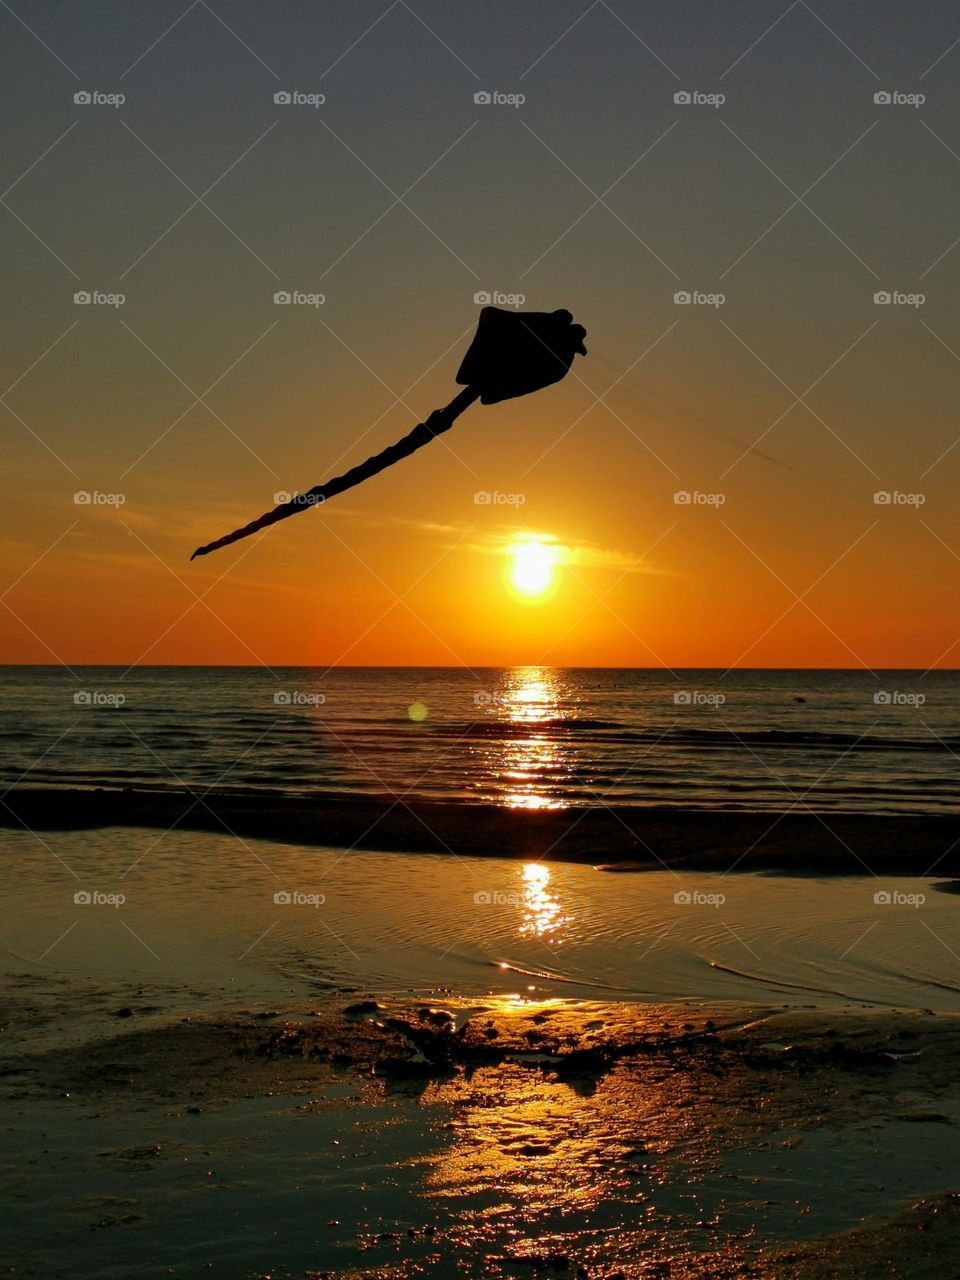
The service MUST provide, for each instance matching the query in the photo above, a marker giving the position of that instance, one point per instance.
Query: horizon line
(432, 666)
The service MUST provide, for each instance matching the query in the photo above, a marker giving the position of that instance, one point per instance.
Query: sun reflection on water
(542, 915)
(529, 764)
(531, 695)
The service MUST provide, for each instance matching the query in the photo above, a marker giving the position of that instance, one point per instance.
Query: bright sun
(532, 567)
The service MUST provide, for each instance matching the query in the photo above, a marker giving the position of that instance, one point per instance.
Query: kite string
(630, 385)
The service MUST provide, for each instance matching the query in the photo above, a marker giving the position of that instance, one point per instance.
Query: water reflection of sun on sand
(531, 1149)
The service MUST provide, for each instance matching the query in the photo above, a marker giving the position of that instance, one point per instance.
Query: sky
(701, 490)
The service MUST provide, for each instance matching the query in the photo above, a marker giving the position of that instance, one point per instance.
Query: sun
(533, 565)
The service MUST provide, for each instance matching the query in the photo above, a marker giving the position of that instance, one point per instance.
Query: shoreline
(800, 842)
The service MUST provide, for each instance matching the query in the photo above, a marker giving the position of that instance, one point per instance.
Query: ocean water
(525, 737)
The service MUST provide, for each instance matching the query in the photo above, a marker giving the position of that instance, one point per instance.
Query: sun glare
(532, 567)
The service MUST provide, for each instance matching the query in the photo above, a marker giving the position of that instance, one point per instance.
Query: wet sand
(800, 841)
(202, 1082)
(364, 1137)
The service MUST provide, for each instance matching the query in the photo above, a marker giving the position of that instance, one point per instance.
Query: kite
(512, 354)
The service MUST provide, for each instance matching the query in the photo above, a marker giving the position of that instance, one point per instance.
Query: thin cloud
(500, 539)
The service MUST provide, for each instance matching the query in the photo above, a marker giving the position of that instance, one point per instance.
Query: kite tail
(439, 421)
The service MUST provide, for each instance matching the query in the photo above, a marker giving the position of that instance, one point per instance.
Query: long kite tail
(439, 421)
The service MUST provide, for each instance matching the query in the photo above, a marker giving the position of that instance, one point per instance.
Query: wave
(612, 732)
(554, 975)
(768, 980)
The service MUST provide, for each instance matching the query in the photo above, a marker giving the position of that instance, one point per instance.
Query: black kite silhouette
(512, 354)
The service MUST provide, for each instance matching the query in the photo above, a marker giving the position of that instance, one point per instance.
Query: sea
(518, 737)
(183, 911)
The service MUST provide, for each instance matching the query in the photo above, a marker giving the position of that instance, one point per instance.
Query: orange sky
(411, 570)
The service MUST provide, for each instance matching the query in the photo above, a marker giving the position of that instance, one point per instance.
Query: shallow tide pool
(272, 920)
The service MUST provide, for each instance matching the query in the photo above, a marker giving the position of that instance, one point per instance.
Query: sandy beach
(366, 1138)
(413, 1064)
